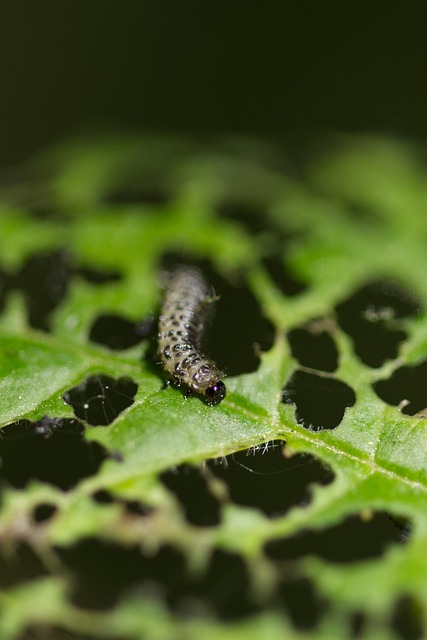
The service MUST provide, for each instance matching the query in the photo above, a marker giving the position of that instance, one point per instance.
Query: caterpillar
(182, 322)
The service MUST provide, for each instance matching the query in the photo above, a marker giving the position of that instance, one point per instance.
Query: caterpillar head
(216, 393)
(207, 380)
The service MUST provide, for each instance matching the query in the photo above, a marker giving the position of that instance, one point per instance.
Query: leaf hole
(44, 512)
(100, 399)
(254, 219)
(282, 276)
(320, 401)
(134, 507)
(44, 280)
(406, 388)
(188, 484)
(104, 570)
(372, 318)
(263, 478)
(97, 276)
(313, 347)
(225, 587)
(407, 618)
(300, 599)
(52, 450)
(19, 564)
(352, 540)
(357, 624)
(116, 332)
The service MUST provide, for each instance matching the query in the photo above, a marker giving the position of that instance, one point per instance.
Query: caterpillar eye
(216, 393)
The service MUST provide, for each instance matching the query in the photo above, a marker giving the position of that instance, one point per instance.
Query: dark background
(273, 68)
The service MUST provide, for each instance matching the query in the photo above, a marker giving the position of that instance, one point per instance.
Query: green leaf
(115, 207)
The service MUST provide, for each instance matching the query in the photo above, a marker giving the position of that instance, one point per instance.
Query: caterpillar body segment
(186, 305)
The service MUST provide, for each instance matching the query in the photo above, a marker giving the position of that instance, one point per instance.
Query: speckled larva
(181, 327)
